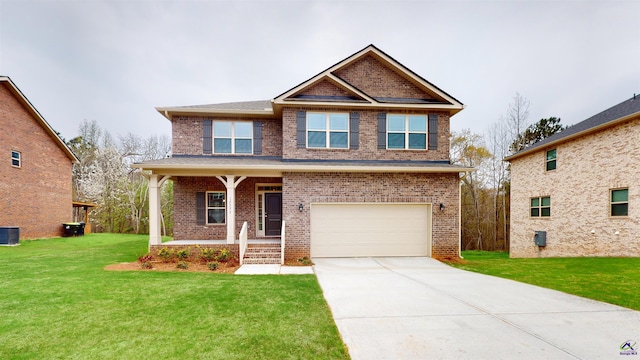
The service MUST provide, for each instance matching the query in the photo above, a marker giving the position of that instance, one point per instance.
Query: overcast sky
(115, 61)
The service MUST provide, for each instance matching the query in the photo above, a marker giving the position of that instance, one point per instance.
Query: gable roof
(352, 96)
(36, 115)
(441, 99)
(614, 115)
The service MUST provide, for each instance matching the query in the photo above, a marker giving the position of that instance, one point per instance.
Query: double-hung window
(16, 158)
(551, 160)
(541, 206)
(620, 202)
(328, 130)
(216, 207)
(407, 132)
(232, 137)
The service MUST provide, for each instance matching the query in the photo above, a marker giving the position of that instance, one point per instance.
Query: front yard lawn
(58, 302)
(612, 280)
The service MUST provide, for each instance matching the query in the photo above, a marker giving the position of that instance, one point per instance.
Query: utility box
(9, 235)
(540, 238)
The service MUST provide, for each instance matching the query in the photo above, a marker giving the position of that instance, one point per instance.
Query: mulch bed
(228, 267)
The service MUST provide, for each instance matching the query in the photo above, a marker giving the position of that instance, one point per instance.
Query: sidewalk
(269, 269)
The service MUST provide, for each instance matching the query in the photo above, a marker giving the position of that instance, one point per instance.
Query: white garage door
(353, 230)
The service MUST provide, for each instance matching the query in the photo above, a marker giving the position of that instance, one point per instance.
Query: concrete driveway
(419, 308)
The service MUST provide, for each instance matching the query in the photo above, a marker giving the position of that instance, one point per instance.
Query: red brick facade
(373, 77)
(37, 196)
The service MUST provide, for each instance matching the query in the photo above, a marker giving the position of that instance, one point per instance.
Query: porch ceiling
(275, 166)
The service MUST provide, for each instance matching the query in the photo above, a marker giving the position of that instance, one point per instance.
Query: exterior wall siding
(187, 135)
(368, 144)
(587, 169)
(308, 188)
(37, 197)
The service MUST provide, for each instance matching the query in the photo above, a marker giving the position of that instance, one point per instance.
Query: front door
(273, 213)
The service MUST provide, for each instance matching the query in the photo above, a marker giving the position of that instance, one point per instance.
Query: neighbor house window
(551, 159)
(541, 206)
(16, 158)
(216, 207)
(407, 132)
(620, 202)
(328, 130)
(232, 137)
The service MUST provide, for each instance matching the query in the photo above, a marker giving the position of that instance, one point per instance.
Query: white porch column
(155, 213)
(230, 183)
(155, 237)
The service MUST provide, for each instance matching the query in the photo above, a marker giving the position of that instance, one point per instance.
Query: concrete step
(261, 261)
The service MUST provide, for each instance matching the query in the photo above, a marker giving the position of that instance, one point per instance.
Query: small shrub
(147, 265)
(305, 261)
(183, 254)
(212, 265)
(145, 258)
(182, 265)
(224, 255)
(207, 254)
(166, 254)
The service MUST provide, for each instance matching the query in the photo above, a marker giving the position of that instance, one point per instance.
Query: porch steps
(262, 254)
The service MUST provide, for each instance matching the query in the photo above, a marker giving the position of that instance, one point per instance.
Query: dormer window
(328, 130)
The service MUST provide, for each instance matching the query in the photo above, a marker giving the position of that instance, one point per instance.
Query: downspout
(464, 175)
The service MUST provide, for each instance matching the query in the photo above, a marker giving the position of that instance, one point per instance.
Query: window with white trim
(232, 137)
(328, 130)
(408, 132)
(551, 159)
(16, 158)
(216, 207)
(620, 202)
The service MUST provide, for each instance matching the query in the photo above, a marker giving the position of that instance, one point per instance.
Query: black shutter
(257, 137)
(433, 131)
(301, 118)
(201, 211)
(206, 136)
(354, 130)
(382, 130)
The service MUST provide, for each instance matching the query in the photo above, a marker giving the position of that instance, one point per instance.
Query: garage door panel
(352, 230)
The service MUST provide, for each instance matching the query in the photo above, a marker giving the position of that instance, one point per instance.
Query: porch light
(300, 207)
(442, 207)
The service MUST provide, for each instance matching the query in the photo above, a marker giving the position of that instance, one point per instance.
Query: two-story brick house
(581, 188)
(355, 160)
(35, 168)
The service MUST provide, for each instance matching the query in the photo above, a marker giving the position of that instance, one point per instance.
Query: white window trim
(547, 160)
(233, 137)
(406, 132)
(328, 130)
(19, 158)
(207, 207)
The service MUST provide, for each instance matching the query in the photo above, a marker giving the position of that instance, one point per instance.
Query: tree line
(103, 176)
(485, 192)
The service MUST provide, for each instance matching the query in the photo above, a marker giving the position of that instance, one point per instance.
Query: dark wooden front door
(273, 213)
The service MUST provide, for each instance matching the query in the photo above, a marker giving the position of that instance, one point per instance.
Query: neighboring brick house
(354, 160)
(582, 187)
(35, 168)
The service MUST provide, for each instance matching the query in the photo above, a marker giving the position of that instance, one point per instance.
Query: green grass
(612, 280)
(57, 302)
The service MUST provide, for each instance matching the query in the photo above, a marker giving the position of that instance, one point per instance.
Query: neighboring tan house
(35, 169)
(582, 187)
(355, 161)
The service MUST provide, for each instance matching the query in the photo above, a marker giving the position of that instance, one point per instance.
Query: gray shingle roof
(258, 105)
(625, 108)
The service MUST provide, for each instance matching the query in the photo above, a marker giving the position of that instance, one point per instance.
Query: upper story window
(328, 130)
(232, 137)
(216, 207)
(551, 160)
(407, 132)
(541, 206)
(620, 202)
(16, 158)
